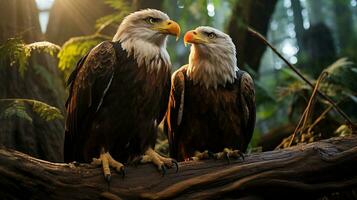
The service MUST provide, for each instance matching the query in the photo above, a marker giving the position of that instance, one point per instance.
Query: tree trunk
(311, 170)
(142, 4)
(255, 14)
(19, 18)
(299, 23)
(70, 18)
(316, 15)
(42, 81)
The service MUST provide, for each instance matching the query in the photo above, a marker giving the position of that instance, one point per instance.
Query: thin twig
(338, 109)
(307, 110)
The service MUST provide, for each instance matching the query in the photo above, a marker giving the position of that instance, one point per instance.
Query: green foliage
(46, 75)
(17, 108)
(44, 46)
(75, 48)
(15, 52)
(341, 80)
(45, 111)
(114, 19)
(339, 84)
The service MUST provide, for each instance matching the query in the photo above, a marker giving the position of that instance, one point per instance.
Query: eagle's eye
(152, 20)
(212, 35)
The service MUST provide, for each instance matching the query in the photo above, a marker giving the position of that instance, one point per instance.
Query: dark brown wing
(247, 106)
(89, 83)
(175, 108)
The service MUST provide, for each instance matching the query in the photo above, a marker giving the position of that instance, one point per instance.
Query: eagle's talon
(161, 162)
(201, 155)
(241, 155)
(176, 164)
(163, 170)
(106, 161)
(228, 158)
(210, 154)
(228, 154)
(123, 172)
(107, 177)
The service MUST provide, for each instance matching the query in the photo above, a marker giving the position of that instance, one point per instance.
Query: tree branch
(312, 169)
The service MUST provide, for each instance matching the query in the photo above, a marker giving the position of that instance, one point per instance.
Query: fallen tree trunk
(306, 170)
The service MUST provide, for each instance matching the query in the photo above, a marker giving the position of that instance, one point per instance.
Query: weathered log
(306, 170)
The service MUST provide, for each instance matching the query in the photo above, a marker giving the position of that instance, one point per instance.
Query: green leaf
(337, 65)
(15, 52)
(44, 46)
(75, 48)
(123, 9)
(45, 111)
(16, 107)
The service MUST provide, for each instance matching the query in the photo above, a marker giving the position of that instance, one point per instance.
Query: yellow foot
(106, 160)
(201, 155)
(228, 154)
(160, 161)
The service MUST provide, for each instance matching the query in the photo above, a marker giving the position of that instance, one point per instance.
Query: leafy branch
(75, 48)
(122, 9)
(17, 108)
(15, 52)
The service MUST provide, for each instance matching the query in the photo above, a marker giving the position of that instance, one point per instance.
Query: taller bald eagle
(119, 93)
(212, 102)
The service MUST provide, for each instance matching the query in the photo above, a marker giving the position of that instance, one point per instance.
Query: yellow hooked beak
(169, 27)
(193, 37)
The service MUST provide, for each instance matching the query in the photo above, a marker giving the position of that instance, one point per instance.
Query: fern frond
(337, 65)
(14, 52)
(16, 107)
(123, 9)
(75, 48)
(45, 111)
(46, 75)
(44, 46)
(341, 80)
(295, 87)
(117, 4)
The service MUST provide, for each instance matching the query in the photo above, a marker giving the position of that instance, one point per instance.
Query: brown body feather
(209, 119)
(113, 104)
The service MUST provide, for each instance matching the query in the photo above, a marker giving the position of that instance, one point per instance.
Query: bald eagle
(212, 102)
(119, 93)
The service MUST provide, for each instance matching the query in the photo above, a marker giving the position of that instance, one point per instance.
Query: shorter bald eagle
(119, 93)
(212, 102)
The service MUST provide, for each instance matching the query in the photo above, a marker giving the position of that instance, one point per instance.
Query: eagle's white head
(143, 34)
(212, 60)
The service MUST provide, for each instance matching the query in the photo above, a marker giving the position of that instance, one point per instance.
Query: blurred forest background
(314, 35)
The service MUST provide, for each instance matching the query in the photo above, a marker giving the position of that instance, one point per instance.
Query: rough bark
(310, 170)
(19, 18)
(255, 14)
